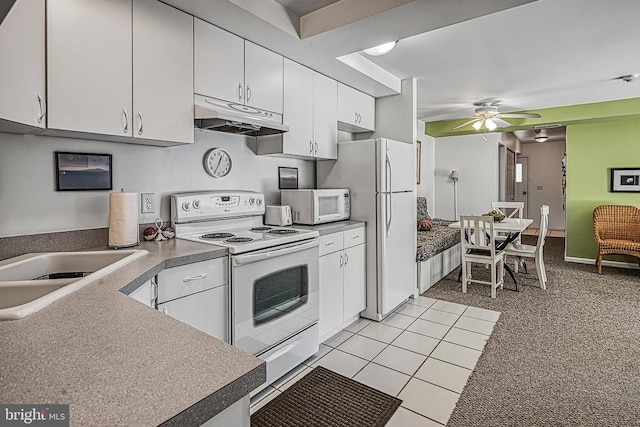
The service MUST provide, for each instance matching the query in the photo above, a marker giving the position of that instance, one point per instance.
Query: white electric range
(273, 274)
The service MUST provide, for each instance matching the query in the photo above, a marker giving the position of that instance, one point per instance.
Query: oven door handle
(273, 252)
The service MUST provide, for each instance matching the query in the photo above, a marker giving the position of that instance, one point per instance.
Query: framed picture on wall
(418, 158)
(287, 178)
(82, 171)
(625, 180)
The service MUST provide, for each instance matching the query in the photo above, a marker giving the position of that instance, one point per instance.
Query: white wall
(427, 187)
(477, 162)
(396, 115)
(545, 181)
(31, 205)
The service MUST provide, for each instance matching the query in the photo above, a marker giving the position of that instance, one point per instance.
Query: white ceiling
(529, 54)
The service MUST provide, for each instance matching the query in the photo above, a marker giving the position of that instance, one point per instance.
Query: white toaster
(277, 215)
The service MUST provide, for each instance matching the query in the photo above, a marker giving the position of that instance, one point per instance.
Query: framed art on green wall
(625, 180)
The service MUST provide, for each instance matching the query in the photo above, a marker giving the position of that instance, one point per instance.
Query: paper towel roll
(123, 220)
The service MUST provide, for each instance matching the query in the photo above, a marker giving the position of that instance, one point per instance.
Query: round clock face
(217, 162)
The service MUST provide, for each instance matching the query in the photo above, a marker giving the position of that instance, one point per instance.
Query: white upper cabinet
(356, 110)
(230, 68)
(325, 115)
(105, 79)
(298, 114)
(162, 72)
(22, 68)
(89, 65)
(219, 63)
(263, 78)
(310, 111)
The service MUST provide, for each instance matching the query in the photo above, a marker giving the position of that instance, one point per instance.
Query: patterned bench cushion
(438, 239)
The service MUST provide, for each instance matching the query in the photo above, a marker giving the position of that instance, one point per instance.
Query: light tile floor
(424, 354)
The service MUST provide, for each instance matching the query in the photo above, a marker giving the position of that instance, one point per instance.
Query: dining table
(513, 227)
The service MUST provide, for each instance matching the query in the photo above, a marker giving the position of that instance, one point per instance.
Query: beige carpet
(567, 356)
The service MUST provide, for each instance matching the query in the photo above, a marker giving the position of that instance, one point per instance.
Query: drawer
(331, 243)
(188, 279)
(354, 237)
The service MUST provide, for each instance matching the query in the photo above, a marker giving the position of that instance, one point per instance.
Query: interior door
(396, 249)
(522, 184)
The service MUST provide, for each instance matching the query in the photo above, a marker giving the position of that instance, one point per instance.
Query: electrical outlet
(148, 203)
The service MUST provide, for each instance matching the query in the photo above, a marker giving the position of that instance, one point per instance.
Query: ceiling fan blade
(520, 115)
(501, 123)
(466, 123)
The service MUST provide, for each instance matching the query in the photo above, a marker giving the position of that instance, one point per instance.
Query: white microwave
(317, 206)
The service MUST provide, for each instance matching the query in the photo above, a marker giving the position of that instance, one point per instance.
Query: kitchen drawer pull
(141, 128)
(330, 243)
(126, 121)
(192, 278)
(355, 237)
(43, 108)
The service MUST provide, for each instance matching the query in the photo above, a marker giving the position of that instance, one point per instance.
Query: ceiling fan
(487, 115)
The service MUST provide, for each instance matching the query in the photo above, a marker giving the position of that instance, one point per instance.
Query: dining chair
(529, 251)
(509, 210)
(478, 246)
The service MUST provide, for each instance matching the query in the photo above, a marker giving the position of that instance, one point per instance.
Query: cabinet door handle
(141, 128)
(125, 114)
(341, 261)
(346, 259)
(316, 150)
(356, 118)
(192, 278)
(165, 310)
(240, 91)
(310, 147)
(248, 94)
(43, 108)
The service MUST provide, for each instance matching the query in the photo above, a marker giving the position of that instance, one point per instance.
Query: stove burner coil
(239, 240)
(212, 236)
(260, 228)
(283, 231)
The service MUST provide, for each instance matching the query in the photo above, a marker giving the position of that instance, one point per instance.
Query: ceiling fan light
(380, 49)
(490, 124)
(477, 125)
(541, 138)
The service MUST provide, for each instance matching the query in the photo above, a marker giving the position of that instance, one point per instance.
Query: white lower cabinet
(144, 294)
(342, 279)
(197, 294)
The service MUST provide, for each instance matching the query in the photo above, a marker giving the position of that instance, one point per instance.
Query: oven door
(274, 294)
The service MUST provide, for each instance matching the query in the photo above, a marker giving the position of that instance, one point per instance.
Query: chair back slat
(544, 225)
(476, 232)
(509, 209)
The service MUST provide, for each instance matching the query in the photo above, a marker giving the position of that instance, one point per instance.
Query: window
(518, 172)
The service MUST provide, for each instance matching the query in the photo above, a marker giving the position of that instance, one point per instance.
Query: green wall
(592, 149)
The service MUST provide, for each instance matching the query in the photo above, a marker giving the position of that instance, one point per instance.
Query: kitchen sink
(31, 282)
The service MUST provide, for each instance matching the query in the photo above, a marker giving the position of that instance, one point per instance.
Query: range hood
(222, 116)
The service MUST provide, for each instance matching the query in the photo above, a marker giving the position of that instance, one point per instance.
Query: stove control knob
(252, 200)
(259, 202)
(186, 206)
(196, 204)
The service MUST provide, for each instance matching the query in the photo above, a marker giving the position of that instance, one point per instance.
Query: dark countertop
(118, 362)
(333, 227)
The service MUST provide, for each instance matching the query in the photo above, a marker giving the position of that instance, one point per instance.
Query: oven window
(280, 293)
(328, 205)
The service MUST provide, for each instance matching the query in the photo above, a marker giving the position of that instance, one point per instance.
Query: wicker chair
(617, 231)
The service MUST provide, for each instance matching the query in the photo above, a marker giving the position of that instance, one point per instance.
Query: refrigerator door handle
(389, 210)
(388, 161)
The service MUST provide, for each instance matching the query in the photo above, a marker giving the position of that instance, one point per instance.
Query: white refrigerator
(381, 176)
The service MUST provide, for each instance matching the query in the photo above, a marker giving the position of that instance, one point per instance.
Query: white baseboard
(618, 264)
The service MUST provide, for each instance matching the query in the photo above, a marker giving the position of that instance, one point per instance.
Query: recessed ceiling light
(380, 49)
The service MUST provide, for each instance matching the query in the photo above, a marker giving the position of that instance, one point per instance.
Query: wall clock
(217, 162)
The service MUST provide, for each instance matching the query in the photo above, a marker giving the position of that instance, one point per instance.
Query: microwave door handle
(272, 253)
